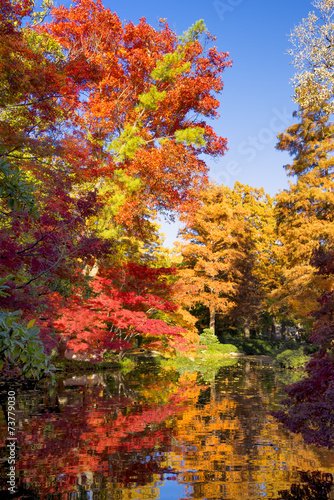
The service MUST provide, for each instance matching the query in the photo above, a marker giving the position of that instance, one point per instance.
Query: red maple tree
(129, 310)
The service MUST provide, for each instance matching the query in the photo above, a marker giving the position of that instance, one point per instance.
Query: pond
(152, 433)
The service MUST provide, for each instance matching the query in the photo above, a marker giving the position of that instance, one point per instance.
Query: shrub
(311, 348)
(222, 348)
(291, 359)
(208, 338)
(211, 341)
(21, 351)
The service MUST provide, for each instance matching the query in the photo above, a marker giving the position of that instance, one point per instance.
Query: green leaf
(193, 33)
(31, 323)
(191, 136)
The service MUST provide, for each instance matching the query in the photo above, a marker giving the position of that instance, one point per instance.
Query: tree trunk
(273, 328)
(246, 331)
(62, 349)
(213, 319)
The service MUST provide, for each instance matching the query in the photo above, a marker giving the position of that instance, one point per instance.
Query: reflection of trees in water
(250, 388)
(231, 447)
(313, 486)
(117, 432)
(96, 432)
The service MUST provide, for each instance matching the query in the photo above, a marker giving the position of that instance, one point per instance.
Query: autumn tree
(305, 211)
(42, 226)
(132, 308)
(308, 408)
(97, 139)
(313, 57)
(32, 76)
(211, 244)
(141, 85)
(222, 266)
(257, 267)
(120, 136)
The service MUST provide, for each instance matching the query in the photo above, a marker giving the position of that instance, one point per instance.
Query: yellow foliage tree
(226, 252)
(305, 212)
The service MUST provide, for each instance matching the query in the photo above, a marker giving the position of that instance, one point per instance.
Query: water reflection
(154, 434)
(313, 485)
(240, 450)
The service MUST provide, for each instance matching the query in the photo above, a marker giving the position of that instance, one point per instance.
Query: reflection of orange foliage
(227, 446)
(219, 440)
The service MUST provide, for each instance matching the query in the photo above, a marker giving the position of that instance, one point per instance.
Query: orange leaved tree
(305, 212)
(227, 246)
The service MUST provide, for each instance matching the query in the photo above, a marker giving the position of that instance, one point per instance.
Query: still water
(152, 434)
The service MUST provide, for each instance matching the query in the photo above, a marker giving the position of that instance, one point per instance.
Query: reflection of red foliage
(309, 408)
(108, 437)
(87, 439)
(117, 316)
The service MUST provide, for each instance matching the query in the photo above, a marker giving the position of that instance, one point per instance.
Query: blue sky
(256, 101)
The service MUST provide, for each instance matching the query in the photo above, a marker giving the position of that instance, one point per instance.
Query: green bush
(211, 341)
(291, 359)
(310, 348)
(290, 344)
(222, 348)
(127, 365)
(21, 351)
(208, 338)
